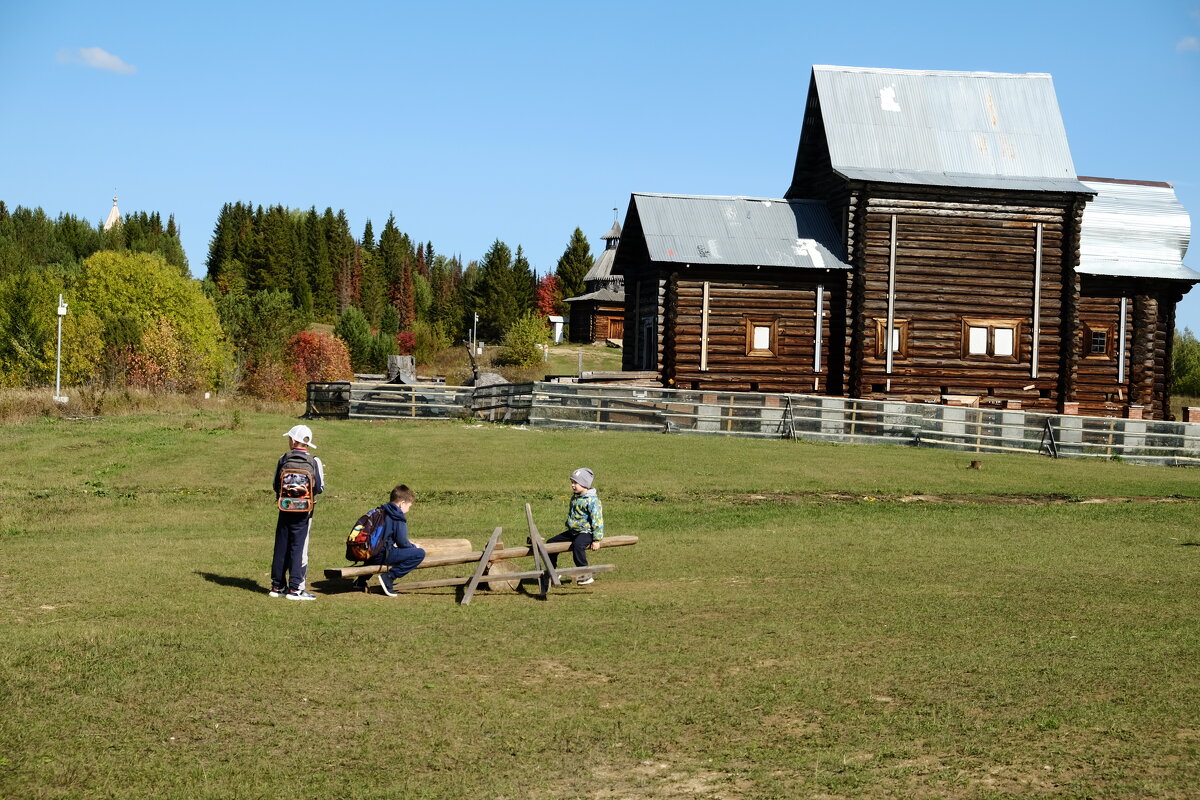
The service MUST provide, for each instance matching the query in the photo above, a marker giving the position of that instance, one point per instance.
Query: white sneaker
(584, 580)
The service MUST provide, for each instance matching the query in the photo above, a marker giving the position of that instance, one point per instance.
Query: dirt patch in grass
(664, 780)
(950, 499)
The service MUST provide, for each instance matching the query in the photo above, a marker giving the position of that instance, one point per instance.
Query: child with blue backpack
(390, 532)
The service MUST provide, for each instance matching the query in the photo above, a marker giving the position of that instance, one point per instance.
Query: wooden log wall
(739, 295)
(966, 254)
(1097, 388)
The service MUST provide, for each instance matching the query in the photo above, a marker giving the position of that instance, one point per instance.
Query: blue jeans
(402, 560)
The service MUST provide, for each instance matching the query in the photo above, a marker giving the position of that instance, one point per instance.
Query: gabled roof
(692, 229)
(1135, 229)
(602, 267)
(966, 129)
(602, 295)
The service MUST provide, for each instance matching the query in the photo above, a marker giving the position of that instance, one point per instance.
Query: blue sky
(520, 120)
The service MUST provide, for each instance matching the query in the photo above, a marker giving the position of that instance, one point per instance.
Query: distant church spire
(114, 214)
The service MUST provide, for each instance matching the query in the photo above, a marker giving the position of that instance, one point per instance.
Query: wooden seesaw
(490, 566)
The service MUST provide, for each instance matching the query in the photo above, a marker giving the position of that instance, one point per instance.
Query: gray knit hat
(583, 476)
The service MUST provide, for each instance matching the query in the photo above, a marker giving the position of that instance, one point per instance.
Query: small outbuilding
(598, 315)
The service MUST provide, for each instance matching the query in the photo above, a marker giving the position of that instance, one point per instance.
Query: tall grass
(799, 620)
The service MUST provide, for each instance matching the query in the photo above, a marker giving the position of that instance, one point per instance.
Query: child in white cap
(299, 478)
(585, 522)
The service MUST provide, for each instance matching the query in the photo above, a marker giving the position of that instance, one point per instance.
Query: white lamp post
(62, 312)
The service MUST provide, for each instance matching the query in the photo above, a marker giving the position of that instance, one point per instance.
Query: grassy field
(799, 620)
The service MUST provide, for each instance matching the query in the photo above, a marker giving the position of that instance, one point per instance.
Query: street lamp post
(62, 312)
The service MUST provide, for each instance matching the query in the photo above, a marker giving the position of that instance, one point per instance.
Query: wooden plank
(481, 567)
(465, 558)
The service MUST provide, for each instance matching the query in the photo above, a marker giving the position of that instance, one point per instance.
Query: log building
(958, 259)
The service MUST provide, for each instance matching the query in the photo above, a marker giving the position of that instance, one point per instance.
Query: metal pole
(62, 312)
(1037, 305)
(820, 318)
(891, 298)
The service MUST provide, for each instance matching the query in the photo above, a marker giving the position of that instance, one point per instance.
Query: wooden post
(535, 541)
(483, 562)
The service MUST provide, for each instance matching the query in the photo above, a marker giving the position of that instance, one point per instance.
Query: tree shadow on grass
(232, 582)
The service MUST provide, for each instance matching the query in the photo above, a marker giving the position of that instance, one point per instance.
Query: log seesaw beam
(492, 555)
(450, 559)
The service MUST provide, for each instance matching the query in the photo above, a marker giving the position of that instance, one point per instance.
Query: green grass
(564, 359)
(794, 622)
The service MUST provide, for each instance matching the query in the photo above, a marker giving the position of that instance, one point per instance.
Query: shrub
(429, 340)
(405, 342)
(318, 357)
(269, 379)
(353, 329)
(163, 362)
(523, 342)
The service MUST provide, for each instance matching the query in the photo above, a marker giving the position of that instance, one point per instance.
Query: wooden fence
(772, 416)
(380, 400)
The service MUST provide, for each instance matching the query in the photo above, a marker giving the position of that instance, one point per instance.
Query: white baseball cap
(301, 434)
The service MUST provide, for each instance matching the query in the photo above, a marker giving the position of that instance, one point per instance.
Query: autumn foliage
(549, 296)
(318, 357)
(405, 342)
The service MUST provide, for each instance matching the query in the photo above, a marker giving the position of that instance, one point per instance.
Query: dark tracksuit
(398, 552)
(289, 566)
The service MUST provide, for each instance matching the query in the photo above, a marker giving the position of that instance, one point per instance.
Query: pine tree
(575, 262)
(368, 238)
(498, 301)
(321, 275)
(524, 282)
(372, 289)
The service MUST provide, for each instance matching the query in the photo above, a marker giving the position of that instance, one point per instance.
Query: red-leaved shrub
(271, 380)
(405, 342)
(318, 357)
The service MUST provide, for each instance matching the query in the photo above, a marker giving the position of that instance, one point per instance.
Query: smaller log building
(598, 314)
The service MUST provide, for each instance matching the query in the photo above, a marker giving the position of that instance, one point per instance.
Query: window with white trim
(991, 339)
(1098, 340)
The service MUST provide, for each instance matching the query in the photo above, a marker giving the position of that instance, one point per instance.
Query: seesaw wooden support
(487, 558)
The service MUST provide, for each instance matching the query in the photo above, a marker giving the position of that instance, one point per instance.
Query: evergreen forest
(287, 296)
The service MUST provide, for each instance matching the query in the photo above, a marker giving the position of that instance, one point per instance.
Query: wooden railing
(770, 416)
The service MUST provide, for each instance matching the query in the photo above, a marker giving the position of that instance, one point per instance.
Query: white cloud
(96, 58)
(1188, 44)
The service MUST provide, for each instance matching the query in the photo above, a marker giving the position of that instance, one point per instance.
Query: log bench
(491, 565)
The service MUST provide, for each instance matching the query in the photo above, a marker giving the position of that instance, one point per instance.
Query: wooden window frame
(992, 324)
(1109, 330)
(771, 323)
(899, 326)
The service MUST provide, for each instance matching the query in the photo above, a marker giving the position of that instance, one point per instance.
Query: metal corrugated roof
(693, 229)
(1136, 230)
(970, 129)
